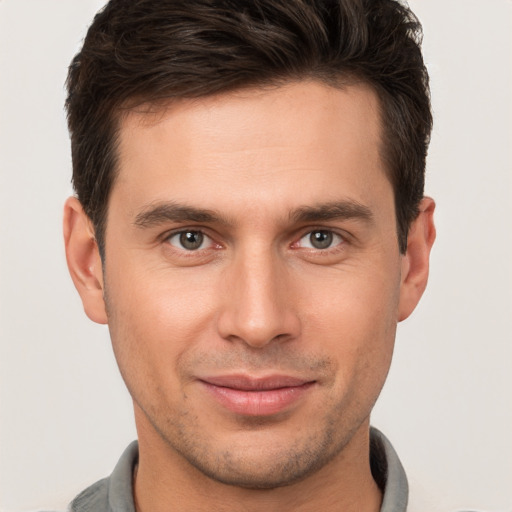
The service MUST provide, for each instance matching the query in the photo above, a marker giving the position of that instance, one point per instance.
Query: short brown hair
(139, 51)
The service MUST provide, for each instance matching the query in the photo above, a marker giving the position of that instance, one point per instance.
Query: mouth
(256, 396)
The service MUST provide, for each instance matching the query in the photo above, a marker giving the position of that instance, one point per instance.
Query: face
(253, 278)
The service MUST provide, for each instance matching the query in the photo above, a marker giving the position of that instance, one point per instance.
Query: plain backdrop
(447, 405)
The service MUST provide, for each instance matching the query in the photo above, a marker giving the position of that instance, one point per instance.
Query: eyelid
(343, 239)
(165, 237)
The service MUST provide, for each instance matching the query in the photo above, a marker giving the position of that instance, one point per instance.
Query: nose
(258, 308)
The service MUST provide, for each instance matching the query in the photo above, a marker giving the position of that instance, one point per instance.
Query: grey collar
(388, 472)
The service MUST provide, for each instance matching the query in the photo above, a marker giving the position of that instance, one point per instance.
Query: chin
(262, 474)
(264, 463)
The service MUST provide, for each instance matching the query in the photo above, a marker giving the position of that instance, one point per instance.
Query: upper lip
(247, 383)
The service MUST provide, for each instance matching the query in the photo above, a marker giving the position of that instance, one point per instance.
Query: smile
(256, 397)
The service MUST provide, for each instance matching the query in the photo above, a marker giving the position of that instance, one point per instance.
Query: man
(250, 223)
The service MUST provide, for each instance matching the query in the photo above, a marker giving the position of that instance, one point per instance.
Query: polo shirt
(115, 493)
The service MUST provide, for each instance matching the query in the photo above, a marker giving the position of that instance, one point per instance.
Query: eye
(320, 239)
(190, 240)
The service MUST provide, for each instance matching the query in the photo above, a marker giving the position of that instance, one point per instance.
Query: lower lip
(257, 403)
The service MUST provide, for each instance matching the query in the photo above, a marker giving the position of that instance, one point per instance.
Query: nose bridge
(258, 309)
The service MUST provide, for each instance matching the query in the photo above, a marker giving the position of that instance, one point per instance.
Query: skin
(257, 298)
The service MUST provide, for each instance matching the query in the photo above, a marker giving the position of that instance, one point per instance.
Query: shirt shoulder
(112, 494)
(92, 499)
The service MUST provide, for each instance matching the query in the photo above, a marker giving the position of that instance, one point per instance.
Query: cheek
(354, 320)
(160, 299)
(354, 302)
(154, 318)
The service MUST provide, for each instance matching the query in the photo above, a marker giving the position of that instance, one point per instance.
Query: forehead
(277, 143)
(303, 108)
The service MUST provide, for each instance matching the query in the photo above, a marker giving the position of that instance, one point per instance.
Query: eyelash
(184, 232)
(336, 239)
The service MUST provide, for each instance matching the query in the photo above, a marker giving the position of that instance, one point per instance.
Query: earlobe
(415, 262)
(83, 258)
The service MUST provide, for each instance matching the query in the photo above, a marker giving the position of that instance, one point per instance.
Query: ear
(83, 258)
(415, 262)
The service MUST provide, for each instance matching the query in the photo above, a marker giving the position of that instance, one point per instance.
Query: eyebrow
(154, 215)
(337, 210)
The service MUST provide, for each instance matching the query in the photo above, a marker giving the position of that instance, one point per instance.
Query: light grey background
(65, 416)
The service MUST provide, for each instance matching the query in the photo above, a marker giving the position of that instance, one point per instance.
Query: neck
(163, 479)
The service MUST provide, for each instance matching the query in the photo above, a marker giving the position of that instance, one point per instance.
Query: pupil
(321, 239)
(191, 240)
